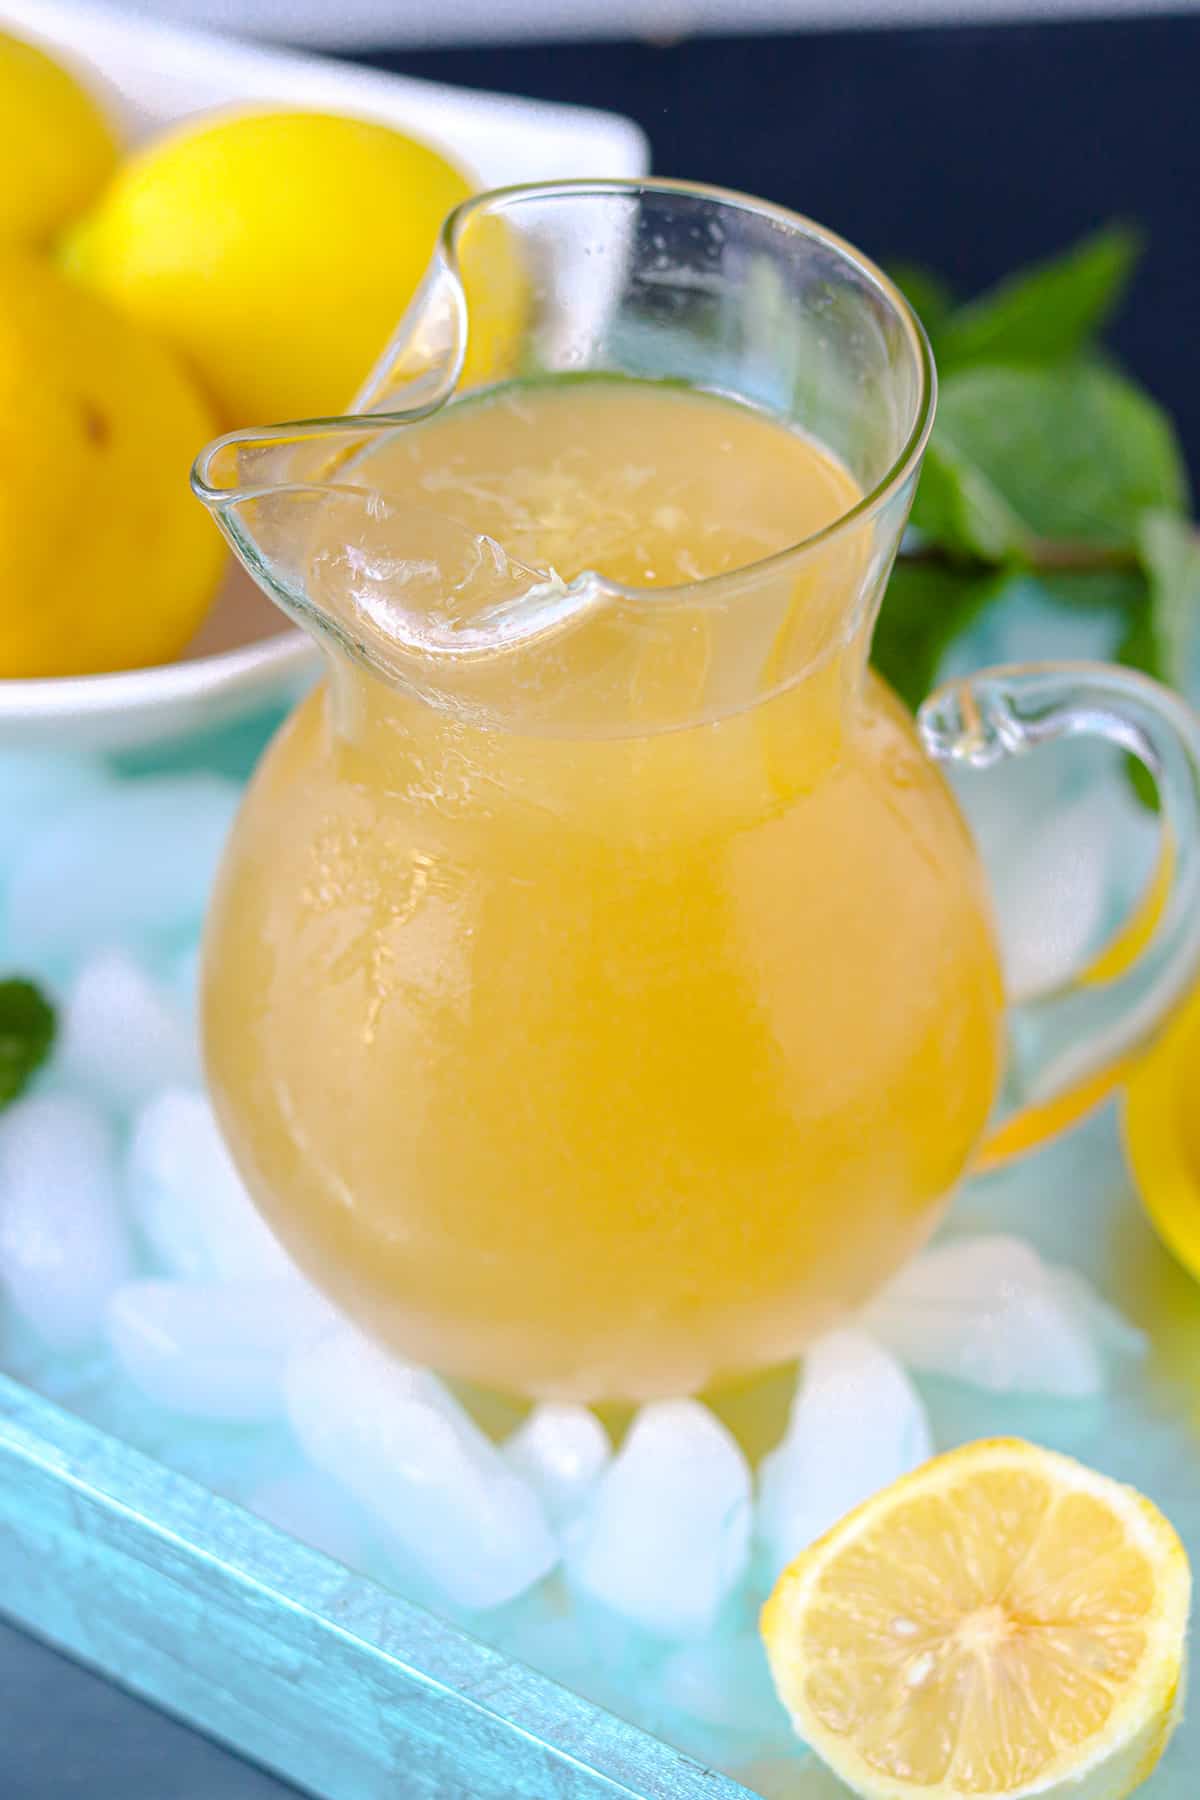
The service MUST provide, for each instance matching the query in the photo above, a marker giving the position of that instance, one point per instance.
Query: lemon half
(1162, 1134)
(1002, 1622)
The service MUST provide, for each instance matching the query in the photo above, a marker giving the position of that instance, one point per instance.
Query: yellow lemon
(1002, 1622)
(106, 560)
(276, 251)
(56, 147)
(1162, 1134)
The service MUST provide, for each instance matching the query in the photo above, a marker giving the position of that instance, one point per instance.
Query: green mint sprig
(27, 1027)
(1047, 464)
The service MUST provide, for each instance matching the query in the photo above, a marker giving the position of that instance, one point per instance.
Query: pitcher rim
(874, 500)
(912, 449)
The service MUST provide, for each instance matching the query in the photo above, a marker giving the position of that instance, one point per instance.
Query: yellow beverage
(606, 1060)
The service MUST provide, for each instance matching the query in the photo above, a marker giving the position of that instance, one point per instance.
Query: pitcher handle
(1069, 1048)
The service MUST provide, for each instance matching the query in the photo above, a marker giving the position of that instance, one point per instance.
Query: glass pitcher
(601, 997)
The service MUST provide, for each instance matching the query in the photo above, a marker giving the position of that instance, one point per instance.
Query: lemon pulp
(1002, 1622)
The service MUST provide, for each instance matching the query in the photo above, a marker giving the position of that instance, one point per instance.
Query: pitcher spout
(486, 598)
(313, 511)
(362, 566)
(417, 373)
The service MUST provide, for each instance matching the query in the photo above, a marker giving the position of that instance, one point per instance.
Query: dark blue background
(973, 150)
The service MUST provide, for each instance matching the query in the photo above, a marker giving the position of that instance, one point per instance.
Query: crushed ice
(857, 1424)
(63, 1244)
(665, 1537)
(421, 1467)
(189, 1201)
(213, 1349)
(628, 1571)
(559, 1450)
(124, 1035)
(990, 1312)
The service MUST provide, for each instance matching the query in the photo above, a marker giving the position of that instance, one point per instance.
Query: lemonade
(607, 1060)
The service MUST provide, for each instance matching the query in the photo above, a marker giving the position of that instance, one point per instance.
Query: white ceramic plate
(245, 659)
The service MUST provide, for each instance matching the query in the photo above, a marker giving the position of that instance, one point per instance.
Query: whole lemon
(106, 560)
(276, 251)
(56, 147)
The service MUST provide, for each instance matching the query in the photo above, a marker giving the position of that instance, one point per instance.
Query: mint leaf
(1141, 648)
(927, 294)
(925, 607)
(1074, 454)
(1170, 636)
(27, 1026)
(1123, 591)
(1049, 468)
(959, 507)
(1044, 314)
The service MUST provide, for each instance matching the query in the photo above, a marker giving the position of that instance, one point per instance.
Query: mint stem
(1044, 556)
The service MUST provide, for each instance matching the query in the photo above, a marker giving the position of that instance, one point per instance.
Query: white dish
(151, 75)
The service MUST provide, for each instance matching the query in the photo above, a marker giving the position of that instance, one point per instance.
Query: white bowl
(246, 659)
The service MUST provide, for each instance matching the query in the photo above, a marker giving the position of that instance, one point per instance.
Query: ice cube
(857, 1424)
(725, 1683)
(559, 1450)
(1059, 893)
(314, 1510)
(422, 1468)
(213, 1350)
(36, 786)
(990, 1312)
(189, 1200)
(123, 1036)
(63, 1243)
(665, 1537)
(129, 861)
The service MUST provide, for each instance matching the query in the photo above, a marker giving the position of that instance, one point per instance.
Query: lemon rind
(1162, 1171)
(1120, 1756)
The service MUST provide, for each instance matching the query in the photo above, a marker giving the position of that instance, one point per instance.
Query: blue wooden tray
(321, 1675)
(147, 1574)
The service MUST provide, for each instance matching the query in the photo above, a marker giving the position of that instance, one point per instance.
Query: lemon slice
(1002, 1621)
